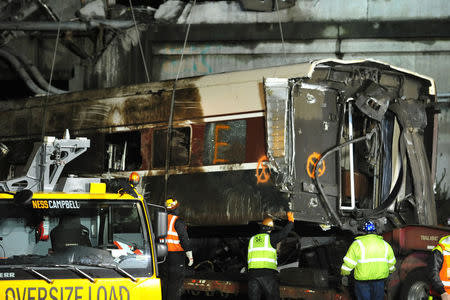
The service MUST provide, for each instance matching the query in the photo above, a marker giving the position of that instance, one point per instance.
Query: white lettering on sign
(7, 275)
(67, 204)
(64, 204)
(429, 238)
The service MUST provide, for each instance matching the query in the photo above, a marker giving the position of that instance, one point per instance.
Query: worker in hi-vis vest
(439, 270)
(372, 259)
(179, 247)
(262, 260)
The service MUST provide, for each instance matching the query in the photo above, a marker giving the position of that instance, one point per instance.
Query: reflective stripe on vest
(444, 274)
(173, 241)
(363, 258)
(261, 254)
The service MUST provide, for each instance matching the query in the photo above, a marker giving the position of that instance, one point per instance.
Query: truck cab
(75, 240)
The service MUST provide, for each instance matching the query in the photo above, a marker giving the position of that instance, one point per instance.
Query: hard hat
(369, 226)
(267, 222)
(172, 203)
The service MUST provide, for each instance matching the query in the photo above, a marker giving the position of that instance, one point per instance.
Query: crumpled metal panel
(280, 137)
(374, 101)
(412, 117)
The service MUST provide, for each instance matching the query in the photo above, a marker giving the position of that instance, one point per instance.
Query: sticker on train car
(262, 171)
(311, 165)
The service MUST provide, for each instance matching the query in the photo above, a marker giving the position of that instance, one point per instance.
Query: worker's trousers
(173, 275)
(369, 289)
(267, 286)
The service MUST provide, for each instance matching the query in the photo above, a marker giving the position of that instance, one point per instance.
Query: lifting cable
(172, 104)
(139, 41)
(44, 117)
(281, 31)
(51, 77)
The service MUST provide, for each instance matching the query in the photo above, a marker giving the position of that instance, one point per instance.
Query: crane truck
(68, 239)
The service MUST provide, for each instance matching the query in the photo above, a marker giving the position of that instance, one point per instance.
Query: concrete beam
(408, 29)
(301, 47)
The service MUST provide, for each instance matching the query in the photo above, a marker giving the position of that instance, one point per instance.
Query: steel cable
(139, 41)
(172, 105)
(281, 32)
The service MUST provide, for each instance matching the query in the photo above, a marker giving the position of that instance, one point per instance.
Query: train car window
(180, 147)
(123, 151)
(225, 142)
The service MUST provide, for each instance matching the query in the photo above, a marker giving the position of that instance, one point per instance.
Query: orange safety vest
(444, 274)
(172, 239)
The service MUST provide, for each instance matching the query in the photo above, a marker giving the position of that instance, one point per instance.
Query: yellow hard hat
(172, 203)
(267, 222)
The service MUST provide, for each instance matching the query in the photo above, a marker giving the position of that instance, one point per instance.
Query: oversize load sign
(81, 289)
(53, 204)
(95, 292)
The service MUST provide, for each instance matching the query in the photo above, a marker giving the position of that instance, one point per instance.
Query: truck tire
(416, 285)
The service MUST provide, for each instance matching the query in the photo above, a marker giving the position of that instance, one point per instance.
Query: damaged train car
(334, 141)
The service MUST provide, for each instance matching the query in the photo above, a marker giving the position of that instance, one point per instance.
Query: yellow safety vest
(261, 254)
(371, 257)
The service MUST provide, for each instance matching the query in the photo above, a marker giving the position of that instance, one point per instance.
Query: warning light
(134, 178)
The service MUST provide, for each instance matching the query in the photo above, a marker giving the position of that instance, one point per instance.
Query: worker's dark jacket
(185, 242)
(173, 281)
(434, 267)
(275, 238)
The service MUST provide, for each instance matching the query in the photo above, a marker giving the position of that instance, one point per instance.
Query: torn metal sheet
(279, 127)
